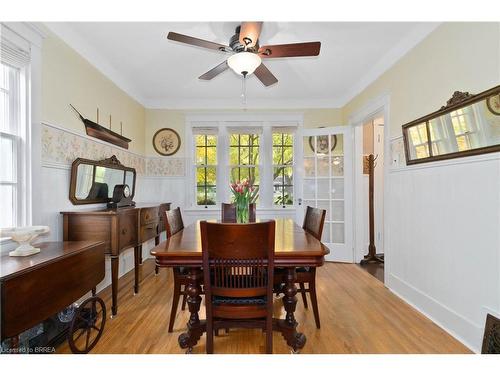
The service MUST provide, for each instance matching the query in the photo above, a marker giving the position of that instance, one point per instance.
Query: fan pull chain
(244, 89)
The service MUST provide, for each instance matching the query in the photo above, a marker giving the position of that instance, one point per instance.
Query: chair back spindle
(238, 259)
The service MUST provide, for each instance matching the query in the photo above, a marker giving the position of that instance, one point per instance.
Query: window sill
(259, 209)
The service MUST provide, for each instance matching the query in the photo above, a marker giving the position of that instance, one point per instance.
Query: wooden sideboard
(35, 287)
(119, 229)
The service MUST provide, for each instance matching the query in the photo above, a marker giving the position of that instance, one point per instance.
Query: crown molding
(74, 40)
(64, 31)
(235, 103)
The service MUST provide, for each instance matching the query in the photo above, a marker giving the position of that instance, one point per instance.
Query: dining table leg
(288, 326)
(195, 327)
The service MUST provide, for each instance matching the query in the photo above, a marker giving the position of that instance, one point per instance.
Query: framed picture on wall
(166, 141)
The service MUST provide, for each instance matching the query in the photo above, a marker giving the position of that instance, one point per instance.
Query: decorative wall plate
(493, 104)
(322, 143)
(166, 141)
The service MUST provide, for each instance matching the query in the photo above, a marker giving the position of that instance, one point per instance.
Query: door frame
(347, 132)
(377, 106)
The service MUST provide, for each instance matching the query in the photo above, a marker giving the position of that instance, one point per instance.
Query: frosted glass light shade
(244, 62)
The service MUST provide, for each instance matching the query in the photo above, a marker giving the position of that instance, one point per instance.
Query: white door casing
(324, 180)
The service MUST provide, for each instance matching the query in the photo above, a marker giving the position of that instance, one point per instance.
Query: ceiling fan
(247, 55)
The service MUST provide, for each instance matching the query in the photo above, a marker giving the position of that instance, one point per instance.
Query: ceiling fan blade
(249, 33)
(265, 75)
(290, 50)
(214, 72)
(197, 42)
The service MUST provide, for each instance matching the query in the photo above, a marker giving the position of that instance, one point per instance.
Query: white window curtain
(13, 54)
(284, 129)
(205, 130)
(244, 130)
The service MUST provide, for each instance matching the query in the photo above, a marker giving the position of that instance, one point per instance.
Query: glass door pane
(324, 185)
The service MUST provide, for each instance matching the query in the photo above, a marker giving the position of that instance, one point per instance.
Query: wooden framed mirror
(93, 181)
(467, 125)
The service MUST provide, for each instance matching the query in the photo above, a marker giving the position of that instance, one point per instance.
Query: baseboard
(456, 325)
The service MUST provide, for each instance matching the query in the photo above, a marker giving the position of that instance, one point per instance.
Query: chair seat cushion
(184, 270)
(218, 300)
(303, 269)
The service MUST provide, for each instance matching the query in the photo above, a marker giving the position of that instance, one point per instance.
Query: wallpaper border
(61, 146)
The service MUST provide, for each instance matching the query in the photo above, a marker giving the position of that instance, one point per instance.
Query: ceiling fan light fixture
(244, 62)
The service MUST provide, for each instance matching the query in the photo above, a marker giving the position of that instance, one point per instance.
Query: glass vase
(242, 211)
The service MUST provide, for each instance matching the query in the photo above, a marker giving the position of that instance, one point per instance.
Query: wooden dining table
(294, 248)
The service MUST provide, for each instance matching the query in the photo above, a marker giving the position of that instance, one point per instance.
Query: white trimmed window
(206, 166)
(283, 166)
(13, 132)
(227, 151)
(244, 150)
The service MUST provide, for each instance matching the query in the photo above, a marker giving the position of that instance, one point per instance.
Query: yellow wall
(175, 119)
(163, 118)
(68, 78)
(456, 56)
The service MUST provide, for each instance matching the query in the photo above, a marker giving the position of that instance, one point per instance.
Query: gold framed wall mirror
(467, 125)
(93, 181)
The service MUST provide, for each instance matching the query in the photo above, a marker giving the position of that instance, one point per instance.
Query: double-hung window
(282, 167)
(11, 145)
(16, 70)
(262, 152)
(244, 150)
(206, 166)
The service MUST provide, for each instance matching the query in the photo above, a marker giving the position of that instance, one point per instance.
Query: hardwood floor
(358, 315)
(375, 269)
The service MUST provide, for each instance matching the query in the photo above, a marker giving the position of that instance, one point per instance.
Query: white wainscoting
(444, 242)
(54, 194)
(61, 146)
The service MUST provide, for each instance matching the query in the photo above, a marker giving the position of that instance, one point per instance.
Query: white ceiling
(161, 73)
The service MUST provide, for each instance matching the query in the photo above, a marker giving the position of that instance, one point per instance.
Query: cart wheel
(87, 325)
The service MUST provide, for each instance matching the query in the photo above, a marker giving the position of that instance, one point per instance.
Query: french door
(325, 181)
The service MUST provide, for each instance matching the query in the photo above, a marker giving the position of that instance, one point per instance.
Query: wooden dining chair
(174, 224)
(238, 266)
(314, 221)
(228, 213)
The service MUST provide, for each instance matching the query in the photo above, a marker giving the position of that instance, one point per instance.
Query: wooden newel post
(371, 257)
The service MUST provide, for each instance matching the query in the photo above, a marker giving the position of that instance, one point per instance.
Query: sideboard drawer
(149, 215)
(128, 230)
(88, 228)
(148, 231)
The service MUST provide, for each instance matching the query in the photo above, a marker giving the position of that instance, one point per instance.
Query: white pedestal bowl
(24, 236)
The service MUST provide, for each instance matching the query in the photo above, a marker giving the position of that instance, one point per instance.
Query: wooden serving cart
(36, 287)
